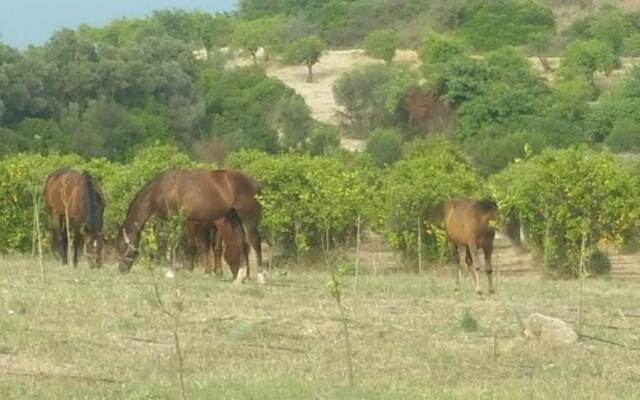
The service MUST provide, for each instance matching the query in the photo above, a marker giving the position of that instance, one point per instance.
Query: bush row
(315, 202)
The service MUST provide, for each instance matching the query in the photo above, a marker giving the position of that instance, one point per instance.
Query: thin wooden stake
(357, 252)
(38, 239)
(583, 250)
(66, 220)
(419, 246)
(271, 249)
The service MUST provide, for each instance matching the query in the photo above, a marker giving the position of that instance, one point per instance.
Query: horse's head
(126, 246)
(93, 243)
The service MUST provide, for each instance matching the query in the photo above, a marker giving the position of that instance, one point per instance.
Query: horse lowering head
(127, 250)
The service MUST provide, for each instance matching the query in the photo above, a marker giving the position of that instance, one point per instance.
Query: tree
(586, 57)
(238, 104)
(384, 146)
(292, 118)
(361, 92)
(489, 25)
(436, 51)
(253, 9)
(324, 140)
(255, 34)
(565, 196)
(307, 51)
(381, 44)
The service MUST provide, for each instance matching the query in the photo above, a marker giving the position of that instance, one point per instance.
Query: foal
(466, 224)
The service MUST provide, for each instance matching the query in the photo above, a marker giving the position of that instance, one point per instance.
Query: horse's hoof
(261, 279)
(492, 291)
(479, 292)
(456, 289)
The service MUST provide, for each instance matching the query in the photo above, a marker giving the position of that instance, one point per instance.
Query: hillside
(319, 93)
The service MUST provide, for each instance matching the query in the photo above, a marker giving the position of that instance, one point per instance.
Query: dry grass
(101, 335)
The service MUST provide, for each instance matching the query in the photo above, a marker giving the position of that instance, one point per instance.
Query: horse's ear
(125, 237)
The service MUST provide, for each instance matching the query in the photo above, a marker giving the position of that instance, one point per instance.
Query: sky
(25, 22)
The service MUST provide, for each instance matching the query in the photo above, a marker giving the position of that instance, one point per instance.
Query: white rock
(549, 331)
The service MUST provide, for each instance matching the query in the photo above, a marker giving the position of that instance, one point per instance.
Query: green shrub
(631, 45)
(433, 171)
(468, 323)
(491, 154)
(562, 195)
(489, 25)
(324, 140)
(21, 177)
(599, 263)
(308, 199)
(384, 146)
(381, 44)
(361, 92)
(624, 136)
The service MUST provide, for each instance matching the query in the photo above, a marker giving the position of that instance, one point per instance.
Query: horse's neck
(138, 215)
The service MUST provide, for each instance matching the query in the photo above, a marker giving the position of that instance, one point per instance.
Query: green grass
(102, 335)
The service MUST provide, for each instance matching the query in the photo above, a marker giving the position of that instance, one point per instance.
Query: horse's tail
(93, 204)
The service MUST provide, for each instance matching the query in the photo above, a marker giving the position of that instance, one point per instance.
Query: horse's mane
(486, 205)
(141, 191)
(93, 204)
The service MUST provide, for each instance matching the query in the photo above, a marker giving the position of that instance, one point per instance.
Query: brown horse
(204, 196)
(466, 224)
(227, 237)
(76, 197)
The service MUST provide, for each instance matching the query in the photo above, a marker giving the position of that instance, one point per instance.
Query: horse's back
(239, 181)
(59, 187)
(467, 220)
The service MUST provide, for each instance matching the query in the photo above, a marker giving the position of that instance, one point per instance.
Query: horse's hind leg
(77, 242)
(461, 250)
(473, 249)
(249, 219)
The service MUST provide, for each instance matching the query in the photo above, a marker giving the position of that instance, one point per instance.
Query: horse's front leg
(58, 244)
(488, 267)
(204, 247)
(473, 249)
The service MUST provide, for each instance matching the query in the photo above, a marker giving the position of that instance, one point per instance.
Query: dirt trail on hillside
(319, 93)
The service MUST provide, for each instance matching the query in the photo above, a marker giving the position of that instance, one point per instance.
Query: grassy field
(102, 335)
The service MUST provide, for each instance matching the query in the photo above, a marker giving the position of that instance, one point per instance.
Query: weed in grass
(468, 322)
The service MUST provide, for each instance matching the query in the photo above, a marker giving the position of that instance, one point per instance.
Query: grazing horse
(204, 196)
(227, 238)
(76, 197)
(466, 225)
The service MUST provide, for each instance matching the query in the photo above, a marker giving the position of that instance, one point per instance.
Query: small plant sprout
(335, 286)
(468, 322)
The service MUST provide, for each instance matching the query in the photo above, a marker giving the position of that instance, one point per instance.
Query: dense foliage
(433, 171)
(563, 196)
(141, 95)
